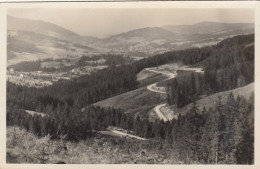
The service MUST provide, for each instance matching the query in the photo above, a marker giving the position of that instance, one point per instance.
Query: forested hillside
(230, 65)
(225, 129)
(222, 134)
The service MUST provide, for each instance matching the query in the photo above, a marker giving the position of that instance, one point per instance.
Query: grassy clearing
(210, 101)
(140, 100)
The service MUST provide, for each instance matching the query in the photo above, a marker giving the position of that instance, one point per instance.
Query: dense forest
(228, 67)
(222, 134)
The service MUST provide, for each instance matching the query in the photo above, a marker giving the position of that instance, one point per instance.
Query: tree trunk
(216, 157)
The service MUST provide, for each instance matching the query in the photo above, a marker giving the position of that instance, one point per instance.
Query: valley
(172, 94)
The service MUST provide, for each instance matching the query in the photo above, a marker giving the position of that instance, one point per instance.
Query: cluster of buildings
(42, 79)
(25, 79)
(32, 79)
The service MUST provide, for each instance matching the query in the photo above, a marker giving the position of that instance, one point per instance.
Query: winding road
(153, 87)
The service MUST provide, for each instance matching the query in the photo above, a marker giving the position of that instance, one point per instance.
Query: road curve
(153, 87)
(159, 113)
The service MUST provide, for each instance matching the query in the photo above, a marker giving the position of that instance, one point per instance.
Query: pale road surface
(159, 113)
(32, 113)
(153, 87)
(128, 135)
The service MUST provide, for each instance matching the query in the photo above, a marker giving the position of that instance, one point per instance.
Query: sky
(106, 22)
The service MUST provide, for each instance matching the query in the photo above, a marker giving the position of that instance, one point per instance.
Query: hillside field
(140, 100)
(137, 101)
(210, 101)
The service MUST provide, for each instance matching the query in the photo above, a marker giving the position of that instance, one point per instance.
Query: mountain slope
(141, 40)
(211, 101)
(149, 33)
(45, 28)
(30, 40)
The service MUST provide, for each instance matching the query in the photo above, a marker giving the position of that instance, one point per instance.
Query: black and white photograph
(172, 86)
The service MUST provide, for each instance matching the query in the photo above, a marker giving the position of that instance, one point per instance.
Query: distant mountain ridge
(34, 39)
(160, 39)
(148, 32)
(207, 27)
